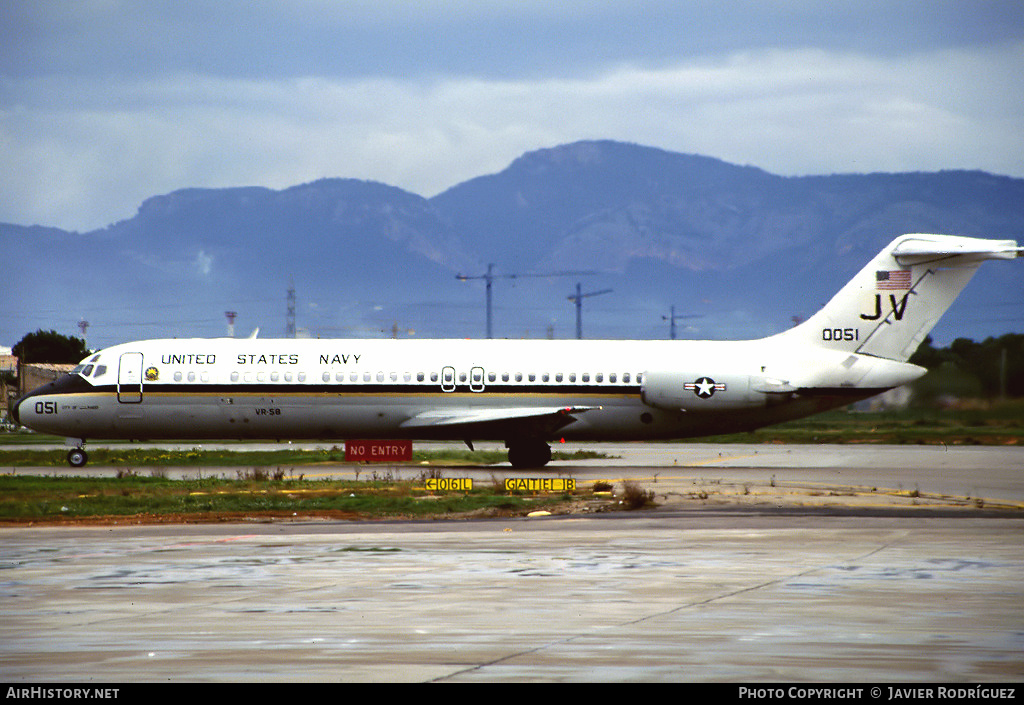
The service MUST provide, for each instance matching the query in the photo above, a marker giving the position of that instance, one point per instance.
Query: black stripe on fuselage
(852, 393)
(68, 384)
(341, 390)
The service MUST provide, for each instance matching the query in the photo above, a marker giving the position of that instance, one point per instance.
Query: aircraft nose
(14, 411)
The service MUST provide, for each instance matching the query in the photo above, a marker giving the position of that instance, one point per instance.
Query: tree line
(993, 368)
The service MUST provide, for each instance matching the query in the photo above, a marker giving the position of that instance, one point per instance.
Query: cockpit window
(101, 370)
(87, 371)
(77, 370)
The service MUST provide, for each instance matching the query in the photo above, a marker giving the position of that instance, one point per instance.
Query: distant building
(30, 377)
(891, 400)
(36, 375)
(8, 366)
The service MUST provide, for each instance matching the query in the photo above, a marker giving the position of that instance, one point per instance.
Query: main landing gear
(528, 454)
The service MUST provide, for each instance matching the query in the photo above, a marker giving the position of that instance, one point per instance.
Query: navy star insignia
(704, 387)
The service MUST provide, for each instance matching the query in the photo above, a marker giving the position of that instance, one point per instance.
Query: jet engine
(694, 391)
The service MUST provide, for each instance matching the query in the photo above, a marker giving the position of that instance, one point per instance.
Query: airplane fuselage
(524, 392)
(313, 389)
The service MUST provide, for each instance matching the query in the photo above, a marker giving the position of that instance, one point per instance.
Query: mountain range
(734, 250)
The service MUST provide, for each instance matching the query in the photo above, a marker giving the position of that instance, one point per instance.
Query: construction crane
(489, 278)
(578, 299)
(673, 317)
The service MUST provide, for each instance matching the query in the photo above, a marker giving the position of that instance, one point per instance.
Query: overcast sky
(104, 103)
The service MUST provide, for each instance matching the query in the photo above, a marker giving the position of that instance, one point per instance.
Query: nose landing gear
(77, 457)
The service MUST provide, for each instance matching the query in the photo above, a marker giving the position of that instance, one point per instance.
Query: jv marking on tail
(898, 307)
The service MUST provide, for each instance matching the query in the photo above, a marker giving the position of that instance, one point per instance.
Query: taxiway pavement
(695, 590)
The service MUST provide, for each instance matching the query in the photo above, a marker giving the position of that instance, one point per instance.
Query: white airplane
(523, 392)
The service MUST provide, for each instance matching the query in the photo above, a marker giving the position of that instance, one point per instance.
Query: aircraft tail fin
(892, 304)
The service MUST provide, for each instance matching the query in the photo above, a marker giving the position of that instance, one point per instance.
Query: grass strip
(27, 498)
(129, 456)
(998, 425)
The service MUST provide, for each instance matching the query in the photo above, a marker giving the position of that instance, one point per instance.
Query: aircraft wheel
(543, 456)
(529, 455)
(77, 457)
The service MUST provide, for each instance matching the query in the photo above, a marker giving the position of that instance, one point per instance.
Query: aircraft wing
(538, 421)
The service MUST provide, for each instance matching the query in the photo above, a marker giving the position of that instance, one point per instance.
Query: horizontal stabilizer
(916, 249)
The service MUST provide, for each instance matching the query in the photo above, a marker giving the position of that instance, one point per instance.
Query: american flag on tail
(896, 279)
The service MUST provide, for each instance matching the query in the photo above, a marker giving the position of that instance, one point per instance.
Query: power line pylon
(289, 331)
(83, 325)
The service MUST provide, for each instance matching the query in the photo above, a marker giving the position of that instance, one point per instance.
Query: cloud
(86, 153)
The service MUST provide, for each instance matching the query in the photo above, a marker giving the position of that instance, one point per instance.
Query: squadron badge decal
(152, 374)
(705, 387)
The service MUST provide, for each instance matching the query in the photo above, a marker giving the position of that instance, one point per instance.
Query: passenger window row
(268, 376)
(449, 377)
(191, 376)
